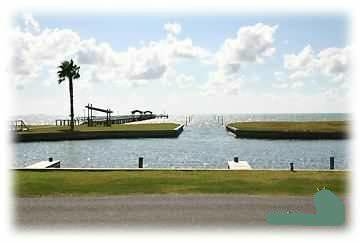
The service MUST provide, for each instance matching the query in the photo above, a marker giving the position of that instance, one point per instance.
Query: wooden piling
(332, 163)
(291, 166)
(141, 162)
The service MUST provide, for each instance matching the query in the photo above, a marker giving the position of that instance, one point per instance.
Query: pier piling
(332, 163)
(292, 167)
(141, 162)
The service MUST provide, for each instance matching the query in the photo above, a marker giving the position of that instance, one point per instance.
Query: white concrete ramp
(240, 165)
(45, 164)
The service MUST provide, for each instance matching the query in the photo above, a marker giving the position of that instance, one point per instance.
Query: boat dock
(45, 164)
(108, 120)
(238, 165)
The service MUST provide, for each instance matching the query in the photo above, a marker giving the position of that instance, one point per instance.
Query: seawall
(84, 135)
(286, 134)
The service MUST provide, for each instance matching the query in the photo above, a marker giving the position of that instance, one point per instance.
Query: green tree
(70, 71)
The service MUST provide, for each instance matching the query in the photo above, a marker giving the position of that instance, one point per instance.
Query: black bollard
(291, 166)
(332, 163)
(141, 160)
(236, 159)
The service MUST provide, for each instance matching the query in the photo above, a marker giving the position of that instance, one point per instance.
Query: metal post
(291, 166)
(110, 119)
(91, 115)
(141, 160)
(88, 118)
(332, 163)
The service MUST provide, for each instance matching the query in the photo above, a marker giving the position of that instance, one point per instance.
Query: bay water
(204, 143)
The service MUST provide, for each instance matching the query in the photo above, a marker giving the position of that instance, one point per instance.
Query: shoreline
(317, 130)
(105, 133)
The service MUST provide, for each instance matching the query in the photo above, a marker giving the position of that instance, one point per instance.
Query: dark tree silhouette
(70, 71)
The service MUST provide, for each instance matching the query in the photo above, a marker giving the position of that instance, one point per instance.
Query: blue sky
(190, 74)
(122, 31)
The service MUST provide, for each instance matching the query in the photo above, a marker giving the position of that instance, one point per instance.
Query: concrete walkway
(153, 211)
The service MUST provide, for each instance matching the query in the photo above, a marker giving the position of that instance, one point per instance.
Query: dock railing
(18, 125)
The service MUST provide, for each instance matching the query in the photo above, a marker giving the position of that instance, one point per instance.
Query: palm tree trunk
(71, 104)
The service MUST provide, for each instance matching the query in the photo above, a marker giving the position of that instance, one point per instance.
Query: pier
(100, 120)
(18, 125)
(108, 120)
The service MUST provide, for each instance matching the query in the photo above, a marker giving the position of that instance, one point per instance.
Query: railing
(18, 125)
(101, 120)
(67, 122)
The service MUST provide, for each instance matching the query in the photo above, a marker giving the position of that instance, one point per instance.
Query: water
(203, 144)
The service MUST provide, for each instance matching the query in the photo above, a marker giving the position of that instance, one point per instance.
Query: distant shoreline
(43, 119)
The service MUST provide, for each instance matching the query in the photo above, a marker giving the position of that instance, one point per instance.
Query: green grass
(77, 183)
(318, 126)
(115, 127)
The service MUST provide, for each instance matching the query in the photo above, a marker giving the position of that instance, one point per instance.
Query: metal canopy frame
(91, 108)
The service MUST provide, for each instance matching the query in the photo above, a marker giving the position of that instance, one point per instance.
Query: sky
(182, 64)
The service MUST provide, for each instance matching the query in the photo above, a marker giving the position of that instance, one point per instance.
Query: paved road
(149, 211)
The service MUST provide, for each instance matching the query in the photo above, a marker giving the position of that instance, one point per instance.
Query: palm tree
(70, 71)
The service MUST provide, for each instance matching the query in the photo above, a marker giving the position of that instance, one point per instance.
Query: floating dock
(45, 164)
(239, 165)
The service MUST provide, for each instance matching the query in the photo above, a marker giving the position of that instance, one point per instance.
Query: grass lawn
(318, 126)
(114, 127)
(75, 183)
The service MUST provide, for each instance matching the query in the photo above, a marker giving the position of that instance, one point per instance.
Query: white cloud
(298, 75)
(301, 61)
(91, 52)
(335, 62)
(172, 28)
(297, 84)
(178, 80)
(251, 45)
(185, 81)
(220, 83)
(331, 62)
(148, 62)
(33, 53)
(186, 49)
(37, 51)
(30, 24)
